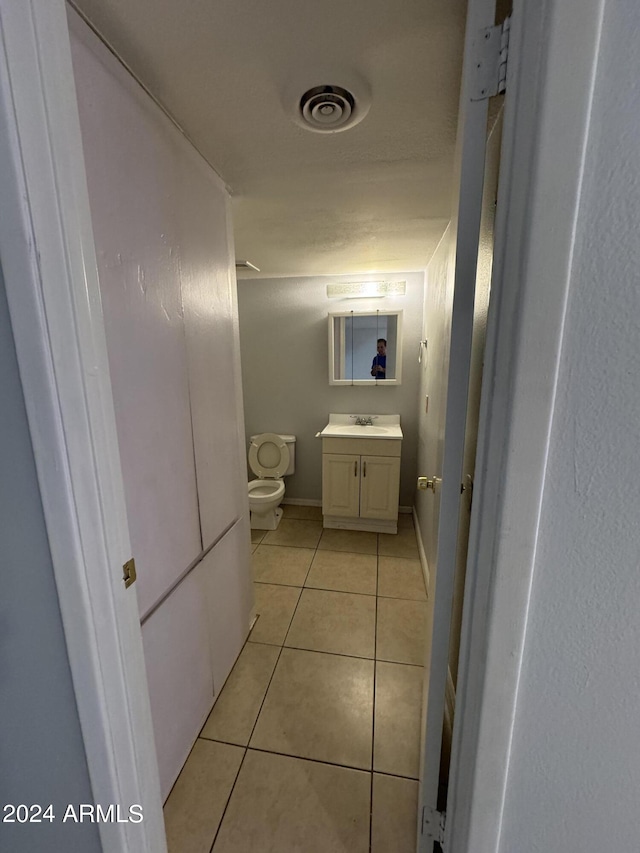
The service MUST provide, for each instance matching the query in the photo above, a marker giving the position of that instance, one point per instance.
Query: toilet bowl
(271, 457)
(264, 500)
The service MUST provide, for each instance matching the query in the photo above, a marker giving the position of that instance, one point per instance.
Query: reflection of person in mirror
(379, 364)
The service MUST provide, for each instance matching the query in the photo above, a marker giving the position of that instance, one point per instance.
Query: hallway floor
(313, 744)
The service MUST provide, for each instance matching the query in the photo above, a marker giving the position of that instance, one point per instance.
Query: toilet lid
(268, 456)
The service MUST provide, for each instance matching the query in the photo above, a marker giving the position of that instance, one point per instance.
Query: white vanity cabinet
(361, 483)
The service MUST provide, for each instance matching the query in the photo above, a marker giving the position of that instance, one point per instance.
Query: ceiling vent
(329, 108)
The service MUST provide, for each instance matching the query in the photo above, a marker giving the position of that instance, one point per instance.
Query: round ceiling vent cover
(329, 109)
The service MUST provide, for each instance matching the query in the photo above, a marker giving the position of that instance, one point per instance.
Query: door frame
(552, 61)
(50, 272)
(468, 194)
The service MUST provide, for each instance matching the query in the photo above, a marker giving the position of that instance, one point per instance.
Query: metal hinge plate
(129, 573)
(490, 52)
(433, 824)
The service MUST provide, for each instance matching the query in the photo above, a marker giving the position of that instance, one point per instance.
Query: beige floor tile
(402, 544)
(281, 564)
(198, 799)
(319, 706)
(358, 541)
(401, 631)
(401, 578)
(308, 513)
(275, 606)
(257, 536)
(338, 622)
(288, 805)
(346, 572)
(394, 818)
(295, 532)
(398, 719)
(237, 707)
(405, 520)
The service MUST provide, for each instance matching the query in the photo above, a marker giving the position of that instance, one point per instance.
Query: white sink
(343, 426)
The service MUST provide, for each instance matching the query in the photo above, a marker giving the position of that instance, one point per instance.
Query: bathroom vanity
(361, 472)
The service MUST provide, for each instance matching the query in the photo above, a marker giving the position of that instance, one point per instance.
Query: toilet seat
(269, 456)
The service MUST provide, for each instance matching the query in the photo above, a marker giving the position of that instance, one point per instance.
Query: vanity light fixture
(362, 289)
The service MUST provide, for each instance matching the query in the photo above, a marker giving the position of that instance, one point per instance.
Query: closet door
(207, 277)
(131, 151)
(228, 597)
(179, 673)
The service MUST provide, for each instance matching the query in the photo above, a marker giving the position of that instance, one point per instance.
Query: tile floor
(313, 744)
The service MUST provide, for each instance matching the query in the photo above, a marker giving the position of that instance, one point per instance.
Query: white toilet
(271, 457)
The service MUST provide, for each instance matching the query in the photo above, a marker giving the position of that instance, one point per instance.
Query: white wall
(436, 330)
(285, 370)
(41, 749)
(574, 772)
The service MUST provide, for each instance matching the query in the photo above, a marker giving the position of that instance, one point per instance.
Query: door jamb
(546, 125)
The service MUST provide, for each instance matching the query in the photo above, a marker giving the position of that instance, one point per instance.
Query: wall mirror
(365, 348)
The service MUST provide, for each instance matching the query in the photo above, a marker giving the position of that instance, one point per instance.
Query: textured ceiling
(375, 197)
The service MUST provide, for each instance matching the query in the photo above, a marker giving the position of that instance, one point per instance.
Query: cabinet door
(379, 487)
(340, 484)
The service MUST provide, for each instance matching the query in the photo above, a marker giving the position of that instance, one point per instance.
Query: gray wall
(41, 749)
(285, 369)
(574, 771)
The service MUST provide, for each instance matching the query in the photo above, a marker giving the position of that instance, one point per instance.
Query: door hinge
(129, 573)
(433, 824)
(490, 50)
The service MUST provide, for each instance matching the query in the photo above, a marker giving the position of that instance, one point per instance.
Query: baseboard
(405, 510)
(370, 525)
(421, 552)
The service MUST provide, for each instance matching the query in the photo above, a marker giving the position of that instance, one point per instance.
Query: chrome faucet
(364, 420)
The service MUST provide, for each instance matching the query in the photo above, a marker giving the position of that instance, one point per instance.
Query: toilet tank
(291, 444)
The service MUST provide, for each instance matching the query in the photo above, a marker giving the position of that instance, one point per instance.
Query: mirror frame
(398, 378)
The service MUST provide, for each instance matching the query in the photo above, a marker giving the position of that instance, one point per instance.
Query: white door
(482, 49)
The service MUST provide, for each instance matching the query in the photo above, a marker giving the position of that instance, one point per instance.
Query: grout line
(345, 591)
(400, 663)
(373, 722)
(342, 591)
(314, 760)
(307, 758)
(315, 551)
(333, 654)
(226, 805)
